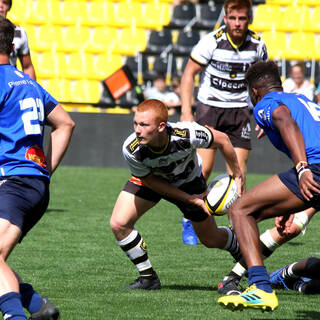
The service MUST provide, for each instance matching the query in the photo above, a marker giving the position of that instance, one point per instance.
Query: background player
(223, 56)
(292, 123)
(24, 172)
(164, 163)
(21, 48)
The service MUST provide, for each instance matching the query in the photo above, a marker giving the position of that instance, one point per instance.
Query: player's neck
(161, 144)
(4, 59)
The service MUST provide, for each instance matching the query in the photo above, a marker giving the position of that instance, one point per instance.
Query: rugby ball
(222, 193)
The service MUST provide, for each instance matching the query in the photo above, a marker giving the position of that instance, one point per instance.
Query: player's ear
(162, 126)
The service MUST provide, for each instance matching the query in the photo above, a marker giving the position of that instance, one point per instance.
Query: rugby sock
(31, 300)
(136, 250)
(288, 271)
(258, 275)
(11, 306)
(232, 244)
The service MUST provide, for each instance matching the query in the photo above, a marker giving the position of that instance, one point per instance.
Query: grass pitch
(71, 257)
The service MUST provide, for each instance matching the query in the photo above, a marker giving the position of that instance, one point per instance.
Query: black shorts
(23, 200)
(291, 181)
(235, 122)
(191, 212)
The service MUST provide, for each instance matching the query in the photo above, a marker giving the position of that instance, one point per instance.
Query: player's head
(5, 6)
(6, 36)
(238, 15)
(297, 73)
(262, 77)
(150, 122)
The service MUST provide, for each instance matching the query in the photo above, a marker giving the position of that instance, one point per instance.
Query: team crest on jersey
(36, 154)
(262, 115)
(143, 246)
(133, 145)
(219, 34)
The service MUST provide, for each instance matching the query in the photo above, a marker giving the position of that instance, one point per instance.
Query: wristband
(301, 164)
(301, 171)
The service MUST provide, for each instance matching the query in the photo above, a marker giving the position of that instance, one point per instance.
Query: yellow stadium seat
(103, 39)
(60, 89)
(155, 15)
(66, 13)
(313, 25)
(294, 18)
(131, 41)
(311, 3)
(74, 66)
(301, 45)
(40, 12)
(45, 37)
(49, 65)
(94, 14)
(19, 12)
(276, 43)
(83, 91)
(266, 18)
(99, 66)
(126, 14)
(74, 39)
(281, 2)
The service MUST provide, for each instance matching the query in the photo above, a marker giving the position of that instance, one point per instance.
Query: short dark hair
(6, 35)
(263, 74)
(10, 4)
(237, 4)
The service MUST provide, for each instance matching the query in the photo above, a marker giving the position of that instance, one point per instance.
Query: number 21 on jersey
(33, 115)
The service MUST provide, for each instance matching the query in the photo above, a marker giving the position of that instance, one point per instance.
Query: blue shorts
(291, 181)
(24, 200)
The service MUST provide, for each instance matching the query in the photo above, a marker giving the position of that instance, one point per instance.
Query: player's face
(146, 128)
(237, 21)
(297, 75)
(4, 7)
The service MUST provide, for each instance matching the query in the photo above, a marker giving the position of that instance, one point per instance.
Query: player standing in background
(223, 56)
(292, 124)
(21, 48)
(24, 172)
(164, 164)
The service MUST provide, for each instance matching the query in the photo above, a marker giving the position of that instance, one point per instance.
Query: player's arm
(223, 143)
(62, 127)
(192, 68)
(27, 66)
(166, 189)
(293, 139)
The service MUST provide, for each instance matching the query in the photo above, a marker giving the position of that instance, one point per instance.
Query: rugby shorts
(235, 122)
(191, 212)
(291, 181)
(23, 200)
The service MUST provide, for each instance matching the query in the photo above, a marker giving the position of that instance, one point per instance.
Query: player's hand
(241, 186)
(307, 185)
(261, 133)
(186, 117)
(198, 200)
(283, 224)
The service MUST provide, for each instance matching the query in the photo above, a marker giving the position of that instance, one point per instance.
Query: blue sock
(31, 300)
(258, 275)
(11, 306)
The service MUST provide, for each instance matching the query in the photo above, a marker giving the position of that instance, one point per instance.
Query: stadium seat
(155, 16)
(126, 14)
(84, 91)
(159, 41)
(131, 41)
(74, 39)
(94, 14)
(40, 12)
(313, 25)
(50, 65)
(132, 63)
(301, 45)
(48, 37)
(160, 66)
(280, 2)
(262, 20)
(311, 3)
(294, 18)
(102, 40)
(183, 14)
(209, 15)
(185, 42)
(66, 13)
(74, 66)
(59, 89)
(19, 13)
(276, 43)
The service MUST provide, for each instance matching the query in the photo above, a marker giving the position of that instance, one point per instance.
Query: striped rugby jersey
(21, 47)
(179, 162)
(222, 81)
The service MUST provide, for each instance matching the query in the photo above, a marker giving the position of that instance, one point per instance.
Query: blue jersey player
(25, 107)
(292, 123)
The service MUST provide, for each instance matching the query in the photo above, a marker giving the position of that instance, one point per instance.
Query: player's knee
(115, 224)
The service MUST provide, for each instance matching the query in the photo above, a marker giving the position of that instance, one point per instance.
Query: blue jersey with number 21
(306, 114)
(24, 106)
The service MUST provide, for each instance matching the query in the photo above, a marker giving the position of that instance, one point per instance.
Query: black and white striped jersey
(222, 82)
(179, 162)
(21, 47)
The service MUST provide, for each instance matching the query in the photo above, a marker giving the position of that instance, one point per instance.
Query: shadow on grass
(54, 210)
(308, 315)
(186, 287)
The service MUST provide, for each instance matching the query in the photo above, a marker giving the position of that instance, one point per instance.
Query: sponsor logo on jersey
(262, 115)
(133, 145)
(136, 181)
(143, 246)
(228, 85)
(202, 135)
(180, 133)
(36, 154)
(219, 34)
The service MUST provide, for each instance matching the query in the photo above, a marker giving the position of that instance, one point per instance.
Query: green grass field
(71, 257)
